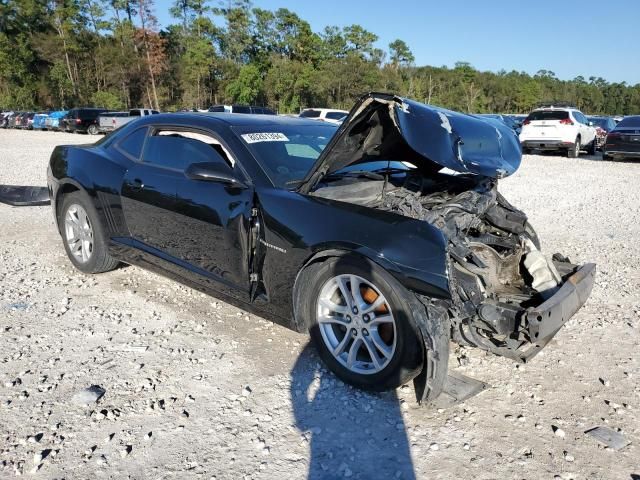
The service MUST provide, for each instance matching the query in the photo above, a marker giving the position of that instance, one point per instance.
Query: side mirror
(591, 124)
(213, 172)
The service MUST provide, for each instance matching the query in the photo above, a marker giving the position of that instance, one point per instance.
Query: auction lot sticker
(265, 137)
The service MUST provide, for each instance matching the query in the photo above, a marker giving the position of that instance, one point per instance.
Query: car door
(148, 190)
(215, 218)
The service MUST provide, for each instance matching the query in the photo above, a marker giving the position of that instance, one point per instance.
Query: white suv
(326, 114)
(553, 128)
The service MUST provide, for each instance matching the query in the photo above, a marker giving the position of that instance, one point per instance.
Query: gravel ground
(196, 388)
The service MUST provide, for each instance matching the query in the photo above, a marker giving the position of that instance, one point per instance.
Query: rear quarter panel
(94, 171)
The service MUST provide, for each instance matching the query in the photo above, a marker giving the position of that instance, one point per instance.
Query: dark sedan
(624, 140)
(385, 238)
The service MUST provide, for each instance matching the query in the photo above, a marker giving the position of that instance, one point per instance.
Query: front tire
(83, 235)
(366, 326)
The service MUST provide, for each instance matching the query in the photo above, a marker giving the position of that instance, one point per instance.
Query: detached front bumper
(547, 318)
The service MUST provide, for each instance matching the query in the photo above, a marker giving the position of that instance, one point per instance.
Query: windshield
(286, 152)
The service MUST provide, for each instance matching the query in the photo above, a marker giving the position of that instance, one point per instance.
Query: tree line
(113, 54)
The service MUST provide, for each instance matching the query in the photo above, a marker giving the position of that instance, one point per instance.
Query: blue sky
(569, 37)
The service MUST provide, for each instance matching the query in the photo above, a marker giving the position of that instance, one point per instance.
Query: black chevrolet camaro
(385, 238)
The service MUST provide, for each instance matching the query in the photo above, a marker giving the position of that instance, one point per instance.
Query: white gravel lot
(196, 388)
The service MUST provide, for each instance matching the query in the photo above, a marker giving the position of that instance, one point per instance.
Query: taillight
(566, 121)
(78, 120)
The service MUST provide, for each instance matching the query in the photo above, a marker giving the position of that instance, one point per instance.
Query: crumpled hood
(387, 127)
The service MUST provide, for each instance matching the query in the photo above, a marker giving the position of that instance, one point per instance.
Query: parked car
(506, 119)
(603, 126)
(84, 120)
(355, 237)
(109, 121)
(26, 121)
(4, 118)
(325, 114)
(624, 140)
(53, 120)
(15, 120)
(564, 129)
(518, 119)
(39, 121)
(241, 109)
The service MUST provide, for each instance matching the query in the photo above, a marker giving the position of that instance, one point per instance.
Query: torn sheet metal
(24, 196)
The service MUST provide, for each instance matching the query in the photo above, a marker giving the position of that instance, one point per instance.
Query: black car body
(624, 140)
(403, 194)
(603, 126)
(80, 119)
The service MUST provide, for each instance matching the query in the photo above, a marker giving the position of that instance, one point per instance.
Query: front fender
(299, 228)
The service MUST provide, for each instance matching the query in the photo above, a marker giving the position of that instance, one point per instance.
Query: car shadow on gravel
(351, 433)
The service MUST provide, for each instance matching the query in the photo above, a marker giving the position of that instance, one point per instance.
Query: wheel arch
(321, 255)
(66, 187)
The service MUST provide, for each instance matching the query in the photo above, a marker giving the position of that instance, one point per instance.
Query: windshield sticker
(264, 137)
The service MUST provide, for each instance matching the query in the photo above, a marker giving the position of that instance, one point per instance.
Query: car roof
(237, 119)
(560, 109)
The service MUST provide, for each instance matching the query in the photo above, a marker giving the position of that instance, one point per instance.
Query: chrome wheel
(356, 324)
(78, 233)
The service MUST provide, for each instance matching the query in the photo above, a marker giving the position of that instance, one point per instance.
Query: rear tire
(92, 130)
(406, 359)
(78, 219)
(574, 152)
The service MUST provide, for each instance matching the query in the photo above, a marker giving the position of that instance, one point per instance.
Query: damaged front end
(506, 296)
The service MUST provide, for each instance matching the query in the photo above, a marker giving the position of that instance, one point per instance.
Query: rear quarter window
(132, 143)
(335, 115)
(310, 114)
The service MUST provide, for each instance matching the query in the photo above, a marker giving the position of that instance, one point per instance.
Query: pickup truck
(113, 120)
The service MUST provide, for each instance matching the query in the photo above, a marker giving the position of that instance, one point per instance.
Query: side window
(180, 148)
(132, 143)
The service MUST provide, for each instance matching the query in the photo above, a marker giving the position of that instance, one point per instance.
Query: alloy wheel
(356, 324)
(78, 233)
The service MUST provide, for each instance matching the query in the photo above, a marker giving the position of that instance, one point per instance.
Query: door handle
(137, 184)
